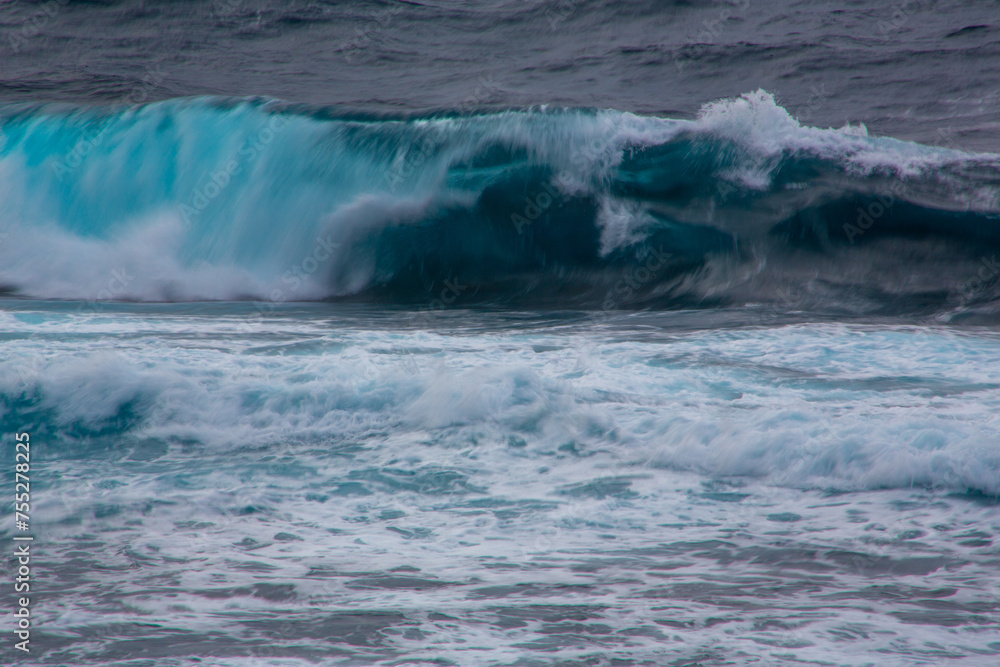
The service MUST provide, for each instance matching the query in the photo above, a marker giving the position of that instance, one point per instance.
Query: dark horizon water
(512, 334)
(915, 70)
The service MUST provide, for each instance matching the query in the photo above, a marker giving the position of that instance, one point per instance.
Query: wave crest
(220, 199)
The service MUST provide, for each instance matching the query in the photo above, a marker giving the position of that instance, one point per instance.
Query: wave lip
(232, 199)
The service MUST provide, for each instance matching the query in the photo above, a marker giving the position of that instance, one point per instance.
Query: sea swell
(215, 199)
(819, 406)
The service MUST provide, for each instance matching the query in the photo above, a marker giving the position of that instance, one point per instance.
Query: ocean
(517, 333)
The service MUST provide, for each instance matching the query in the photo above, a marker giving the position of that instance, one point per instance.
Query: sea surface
(538, 333)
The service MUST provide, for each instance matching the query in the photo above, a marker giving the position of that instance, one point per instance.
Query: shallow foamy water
(354, 486)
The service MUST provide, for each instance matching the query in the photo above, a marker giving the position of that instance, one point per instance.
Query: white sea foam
(235, 202)
(320, 477)
(807, 406)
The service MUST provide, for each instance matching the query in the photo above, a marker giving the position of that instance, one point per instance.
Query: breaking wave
(204, 199)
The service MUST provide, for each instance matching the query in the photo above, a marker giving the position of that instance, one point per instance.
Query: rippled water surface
(525, 333)
(357, 486)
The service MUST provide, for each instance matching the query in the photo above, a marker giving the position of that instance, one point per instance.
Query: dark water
(916, 70)
(514, 333)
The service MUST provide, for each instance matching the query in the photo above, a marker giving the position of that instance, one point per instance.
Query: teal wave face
(218, 199)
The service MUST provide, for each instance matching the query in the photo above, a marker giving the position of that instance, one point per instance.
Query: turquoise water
(353, 485)
(534, 334)
(223, 199)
